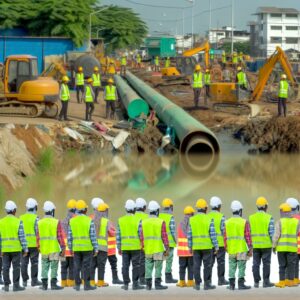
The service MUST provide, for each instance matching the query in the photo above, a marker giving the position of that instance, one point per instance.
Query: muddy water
(115, 178)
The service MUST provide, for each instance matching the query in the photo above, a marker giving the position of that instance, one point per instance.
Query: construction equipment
(25, 93)
(203, 48)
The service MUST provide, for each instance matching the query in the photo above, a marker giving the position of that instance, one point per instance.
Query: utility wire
(157, 6)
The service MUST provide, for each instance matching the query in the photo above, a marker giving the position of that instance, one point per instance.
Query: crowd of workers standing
(83, 244)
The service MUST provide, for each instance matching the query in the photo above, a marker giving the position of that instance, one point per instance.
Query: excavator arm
(277, 57)
(204, 47)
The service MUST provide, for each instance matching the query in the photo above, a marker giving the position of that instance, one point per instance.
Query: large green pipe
(132, 102)
(194, 137)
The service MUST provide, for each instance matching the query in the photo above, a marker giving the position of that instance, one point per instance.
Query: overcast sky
(164, 19)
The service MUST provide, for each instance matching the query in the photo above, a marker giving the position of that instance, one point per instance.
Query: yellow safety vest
(289, 235)
(79, 79)
(123, 61)
(217, 217)
(110, 93)
(283, 89)
(242, 79)
(96, 80)
(80, 227)
(28, 220)
(102, 237)
(197, 80)
(207, 79)
(65, 95)
(129, 227)
(88, 94)
(200, 225)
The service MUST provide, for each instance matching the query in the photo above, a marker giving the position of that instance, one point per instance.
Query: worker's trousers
(89, 109)
(234, 264)
(264, 256)
(79, 92)
(110, 109)
(150, 264)
(297, 266)
(82, 263)
(207, 92)
(186, 263)
(169, 261)
(204, 256)
(49, 264)
(33, 256)
(98, 262)
(14, 259)
(64, 110)
(287, 262)
(67, 268)
(220, 258)
(197, 93)
(130, 256)
(0, 268)
(142, 265)
(282, 106)
(123, 70)
(96, 92)
(113, 264)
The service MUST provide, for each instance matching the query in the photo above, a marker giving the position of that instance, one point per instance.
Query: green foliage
(46, 160)
(238, 47)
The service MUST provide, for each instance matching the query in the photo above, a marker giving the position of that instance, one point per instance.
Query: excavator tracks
(232, 108)
(16, 108)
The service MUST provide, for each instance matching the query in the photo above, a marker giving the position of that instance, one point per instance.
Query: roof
(276, 10)
(21, 56)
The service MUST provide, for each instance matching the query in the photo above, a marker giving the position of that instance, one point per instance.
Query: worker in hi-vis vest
(123, 65)
(283, 94)
(89, 98)
(262, 230)
(79, 82)
(197, 84)
(110, 98)
(12, 244)
(96, 83)
(64, 95)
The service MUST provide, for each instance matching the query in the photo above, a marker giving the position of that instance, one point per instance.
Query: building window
(291, 40)
(293, 16)
(276, 15)
(276, 27)
(261, 40)
(262, 27)
(291, 27)
(220, 34)
(276, 39)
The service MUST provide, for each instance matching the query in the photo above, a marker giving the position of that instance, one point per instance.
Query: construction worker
(79, 84)
(141, 206)
(64, 95)
(238, 244)
(241, 57)
(219, 222)
(197, 84)
(123, 65)
(202, 241)
(129, 245)
(167, 216)
(168, 62)
(241, 78)
(83, 242)
(111, 70)
(30, 221)
(207, 82)
(89, 97)
(139, 61)
(110, 97)
(234, 59)
(183, 251)
(12, 244)
(294, 204)
(95, 202)
(51, 245)
(67, 265)
(156, 64)
(155, 242)
(283, 94)
(224, 59)
(96, 83)
(285, 244)
(262, 231)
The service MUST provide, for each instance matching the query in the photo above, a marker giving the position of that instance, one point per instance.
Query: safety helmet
(130, 205)
(10, 205)
(236, 205)
(110, 80)
(95, 202)
(241, 53)
(215, 201)
(81, 205)
(80, 69)
(261, 202)
(96, 69)
(89, 80)
(292, 202)
(71, 204)
(239, 68)
(153, 206)
(188, 210)
(285, 207)
(31, 203)
(167, 203)
(103, 207)
(140, 203)
(197, 68)
(65, 79)
(48, 206)
(283, 76)
(207, 71)
(201, 204)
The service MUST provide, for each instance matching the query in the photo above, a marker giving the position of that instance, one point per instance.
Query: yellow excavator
(24, 92)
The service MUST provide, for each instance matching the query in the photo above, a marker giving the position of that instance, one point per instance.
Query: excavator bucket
(254, 109)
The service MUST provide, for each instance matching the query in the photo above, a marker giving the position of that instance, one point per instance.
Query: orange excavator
(203, 48)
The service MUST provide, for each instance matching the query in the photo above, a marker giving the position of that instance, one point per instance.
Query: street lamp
(193, 3)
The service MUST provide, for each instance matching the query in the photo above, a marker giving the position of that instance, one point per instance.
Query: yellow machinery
(25, 93)
(203, 48)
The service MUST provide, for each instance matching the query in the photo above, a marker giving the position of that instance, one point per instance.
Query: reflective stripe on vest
(65, 95)
(217, 217)
(102, 237)
(9, 232)
(29, 230)
(79, 79)
(129, 227)
(111, 245)
(182, 243)
(197, 83)
(200, 225)
(235, 231)
(259, 224)
(80, 227)
(167, 218)
(110, 93)
(242, 80)
(207, 79)
(48, 236)
(88, 94)
(96, 80)
(288, 237)
(153, 243)
(283, 89)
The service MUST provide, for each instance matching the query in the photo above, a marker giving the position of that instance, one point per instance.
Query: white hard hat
(292, 202)
(236, 205)
(215, 201)
(31, 203)
(95, 202)
(130, 204)
(140, 203)
(10, 205)
(153, 206)
(48, 206)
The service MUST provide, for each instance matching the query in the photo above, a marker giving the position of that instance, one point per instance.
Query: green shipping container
(161, 46)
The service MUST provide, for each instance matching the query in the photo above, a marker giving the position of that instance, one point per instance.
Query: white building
(275, 27)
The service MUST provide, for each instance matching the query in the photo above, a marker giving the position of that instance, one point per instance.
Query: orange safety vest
(298, 241)
(182, 243)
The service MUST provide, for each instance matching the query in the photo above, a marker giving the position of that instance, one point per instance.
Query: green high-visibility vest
(217, 217)
(65, 95)
(234, 59)
(88, 94)
(48, 236)
(79, 79)
(96, 80)
(129, 227)
(288, 237)
(29, 220)
(9, 232)
(235, 232)
(223, 57)
(110, 93)
(123, 61)
(167, 63)
(197, 83)
(207, 79)
(259, 224)
(102, 237)
(141, 215)
(200, 225)
(80, 227)
(153, 242)
(167, 218)
(156, 61)
(139, 59)
(242, 79)
(283, 89)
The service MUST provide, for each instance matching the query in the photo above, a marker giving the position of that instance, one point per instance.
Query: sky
(170, 20)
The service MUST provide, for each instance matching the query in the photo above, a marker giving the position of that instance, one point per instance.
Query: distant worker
(285, 244)
(79, 82)
(51, 245)
(168, 217)
(226, 75)
(139, 61)
(283, 94)
(241, 57)
(156, 64)
(30, 223)
(64, 95)
(96, 83)
(212, 55)
(129, 245)
(12, 245)
(111, 70)
(110, 98)
(224, 59)
(207, 82)
(123, 65)
(183, 251)
(241, 79)
(238, 244)
(168, 62)
(197, 84)
(95, 202)
(203, 242)
(234, 59)
(219, 222)
(154, 239)
(89, 98)
(262, 230)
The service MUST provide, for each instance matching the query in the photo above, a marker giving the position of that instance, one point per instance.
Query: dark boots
(142, 281)
(35, 283)
(137, 286)
(44, 286)
(158, 285)
(231, 284)
(268, 284)
(208, 286)
(169, 278)
(88, 287)
(242, 285)
(1, 280)
(125, 287)
(223, 281)
(54, 285)
(18, 288)
(5, 288)
(148, 284)
(116, 279)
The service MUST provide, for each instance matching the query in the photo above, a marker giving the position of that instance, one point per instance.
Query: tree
(238, 47)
